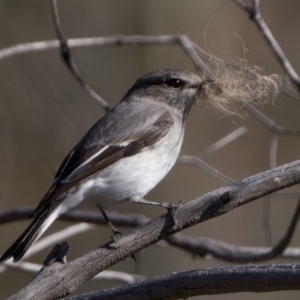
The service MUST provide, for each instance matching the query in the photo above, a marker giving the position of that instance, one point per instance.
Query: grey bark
(59, 280)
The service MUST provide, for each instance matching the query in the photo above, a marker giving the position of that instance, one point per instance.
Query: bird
(123, 156)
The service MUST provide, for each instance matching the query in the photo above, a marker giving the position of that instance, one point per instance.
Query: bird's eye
(175, 83)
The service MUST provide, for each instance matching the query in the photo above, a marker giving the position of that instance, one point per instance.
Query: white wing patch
(65, 180)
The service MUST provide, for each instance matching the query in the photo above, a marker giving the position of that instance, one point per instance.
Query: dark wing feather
(73, 171)
(21, 245)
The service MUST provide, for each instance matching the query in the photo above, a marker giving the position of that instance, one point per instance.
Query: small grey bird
(123, 156)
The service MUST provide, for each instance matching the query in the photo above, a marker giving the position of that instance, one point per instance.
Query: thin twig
(91, 217)
(268, 122)
(115, 40)
(267, 201)
(228, 252)
(200, 246)
(68, 59)
(224, 141)
(57, 237)
(291, 92)
(255, 15)
(267, 226)
(273, 150)
(205, 55)
(243, 5)
(29, 267)
(198, 162)
(211, 248)
(189, 49)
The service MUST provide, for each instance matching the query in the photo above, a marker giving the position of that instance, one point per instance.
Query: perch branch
(59, 280)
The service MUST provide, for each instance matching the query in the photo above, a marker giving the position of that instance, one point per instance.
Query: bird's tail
(38, 226)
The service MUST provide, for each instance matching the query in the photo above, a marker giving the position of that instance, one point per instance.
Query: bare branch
(22, 266)
(273, 150)
(243, 5)
(58, 280)
(200, 246)
(120, 40)
(267, 220)
(131, 220)
(189, 49)
(221, 280)
(291, 92)
(268, 122)
(267, 201)
(275, 47)
(57, 237)
(116, 40)
(228, 252)
(68, 59)
(105, 275)
(198, 162)
(208, 247)
(224, 141)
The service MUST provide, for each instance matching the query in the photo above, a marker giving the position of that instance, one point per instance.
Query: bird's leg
(115, 231)
(108, 221)
(170, 207)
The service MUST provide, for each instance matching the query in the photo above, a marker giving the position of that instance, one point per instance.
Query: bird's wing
(85, 161)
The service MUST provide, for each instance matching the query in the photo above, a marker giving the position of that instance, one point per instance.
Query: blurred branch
(29, 267)
(268, 122)
(254, 13)
(290, 91)
(198, 162)
(232, 253)
(189, 49)
(68, 59)
(267, 226)
(273, 150)
(120, 276)
(205, 247)
(91, 217)
(58, 280)
(120, 40)
(200, 246)
(231, 137)
(116, 40)
(267, 201)
(56, 237)
(212, 281)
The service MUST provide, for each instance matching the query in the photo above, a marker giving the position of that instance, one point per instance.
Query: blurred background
(44, 112)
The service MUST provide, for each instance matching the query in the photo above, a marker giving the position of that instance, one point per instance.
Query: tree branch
(198, 162)
(255, 15)
(69, 61)
(115, 40)
(59, 280)
(268, 122)
(232, 253)
(200, 246)
(212, 281)
(119, 40)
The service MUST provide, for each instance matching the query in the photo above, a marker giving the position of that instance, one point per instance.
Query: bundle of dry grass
(236, 82)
